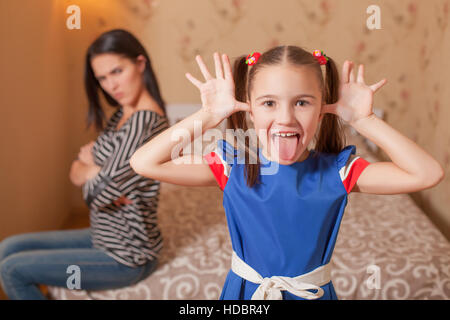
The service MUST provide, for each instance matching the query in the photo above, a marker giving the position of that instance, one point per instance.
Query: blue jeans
(30, 259)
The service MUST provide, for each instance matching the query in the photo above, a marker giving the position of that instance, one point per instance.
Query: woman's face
(119, 76)
(285, 99)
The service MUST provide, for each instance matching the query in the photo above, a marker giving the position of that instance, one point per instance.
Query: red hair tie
(252, 58)
(320, 57)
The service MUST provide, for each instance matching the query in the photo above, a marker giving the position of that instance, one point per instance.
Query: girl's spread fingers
(203, 68)
(361, 74)
(218, 66)
(193, 80)
(352, 75)
(378, 85)
(227, 67)
(345, 69)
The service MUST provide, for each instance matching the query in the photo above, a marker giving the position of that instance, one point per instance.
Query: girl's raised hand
(355, 96)
(217, 93)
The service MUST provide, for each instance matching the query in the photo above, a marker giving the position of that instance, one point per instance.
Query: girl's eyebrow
(118, 66)
(271, 96)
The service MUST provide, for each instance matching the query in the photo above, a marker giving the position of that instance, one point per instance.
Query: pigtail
(331, 138)
(240, 71)
(238, 119)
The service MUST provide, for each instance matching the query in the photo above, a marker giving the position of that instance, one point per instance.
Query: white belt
(270, 288)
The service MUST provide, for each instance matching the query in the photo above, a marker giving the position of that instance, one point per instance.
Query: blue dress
(288, 224)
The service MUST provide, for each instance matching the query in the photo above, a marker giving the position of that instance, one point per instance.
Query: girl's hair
(120, 42)
(330, 137)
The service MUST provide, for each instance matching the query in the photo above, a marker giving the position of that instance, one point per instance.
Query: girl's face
(285, 105)
(119, 76)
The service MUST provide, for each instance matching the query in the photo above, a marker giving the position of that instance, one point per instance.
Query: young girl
(284, 223)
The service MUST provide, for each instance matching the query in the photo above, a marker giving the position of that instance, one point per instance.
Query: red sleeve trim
(217, 168)
(353, 173)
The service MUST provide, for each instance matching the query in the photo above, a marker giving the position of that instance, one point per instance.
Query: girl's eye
(117, 71)
(302, 103)
(269, 103)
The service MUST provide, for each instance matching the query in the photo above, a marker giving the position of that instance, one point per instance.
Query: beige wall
(43, 109)
(34, 118)
(44, 106)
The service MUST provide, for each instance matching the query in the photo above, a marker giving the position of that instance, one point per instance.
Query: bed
(387, 248)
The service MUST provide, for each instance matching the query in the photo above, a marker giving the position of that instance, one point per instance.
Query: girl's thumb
(241, 106)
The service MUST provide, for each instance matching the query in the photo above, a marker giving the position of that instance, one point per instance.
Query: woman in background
(122, 244)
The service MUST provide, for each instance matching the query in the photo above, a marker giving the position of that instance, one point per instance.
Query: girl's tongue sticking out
(285, 145)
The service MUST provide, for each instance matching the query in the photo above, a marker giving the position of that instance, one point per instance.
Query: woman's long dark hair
(330, 137)
(120, 42)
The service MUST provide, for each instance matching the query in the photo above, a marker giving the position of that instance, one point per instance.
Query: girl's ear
(141, 61)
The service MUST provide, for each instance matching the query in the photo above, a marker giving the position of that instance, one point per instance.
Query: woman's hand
(123, 200)
(217, 93)
(355, 97)
(85, 155)
(92, 171)
(81, 172)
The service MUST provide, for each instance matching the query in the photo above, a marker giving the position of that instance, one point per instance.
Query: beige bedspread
(386, 249)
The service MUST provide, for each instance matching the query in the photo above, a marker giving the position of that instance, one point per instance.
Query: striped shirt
(129, 233)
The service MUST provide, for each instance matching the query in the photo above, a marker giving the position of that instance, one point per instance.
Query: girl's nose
(285, 115)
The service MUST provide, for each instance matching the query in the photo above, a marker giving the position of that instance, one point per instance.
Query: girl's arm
(156, 159)
(412, 168)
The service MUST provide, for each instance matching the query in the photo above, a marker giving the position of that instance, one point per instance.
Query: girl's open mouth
(285, 144)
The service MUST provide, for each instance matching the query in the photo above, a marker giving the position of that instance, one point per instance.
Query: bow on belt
(270, 288)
